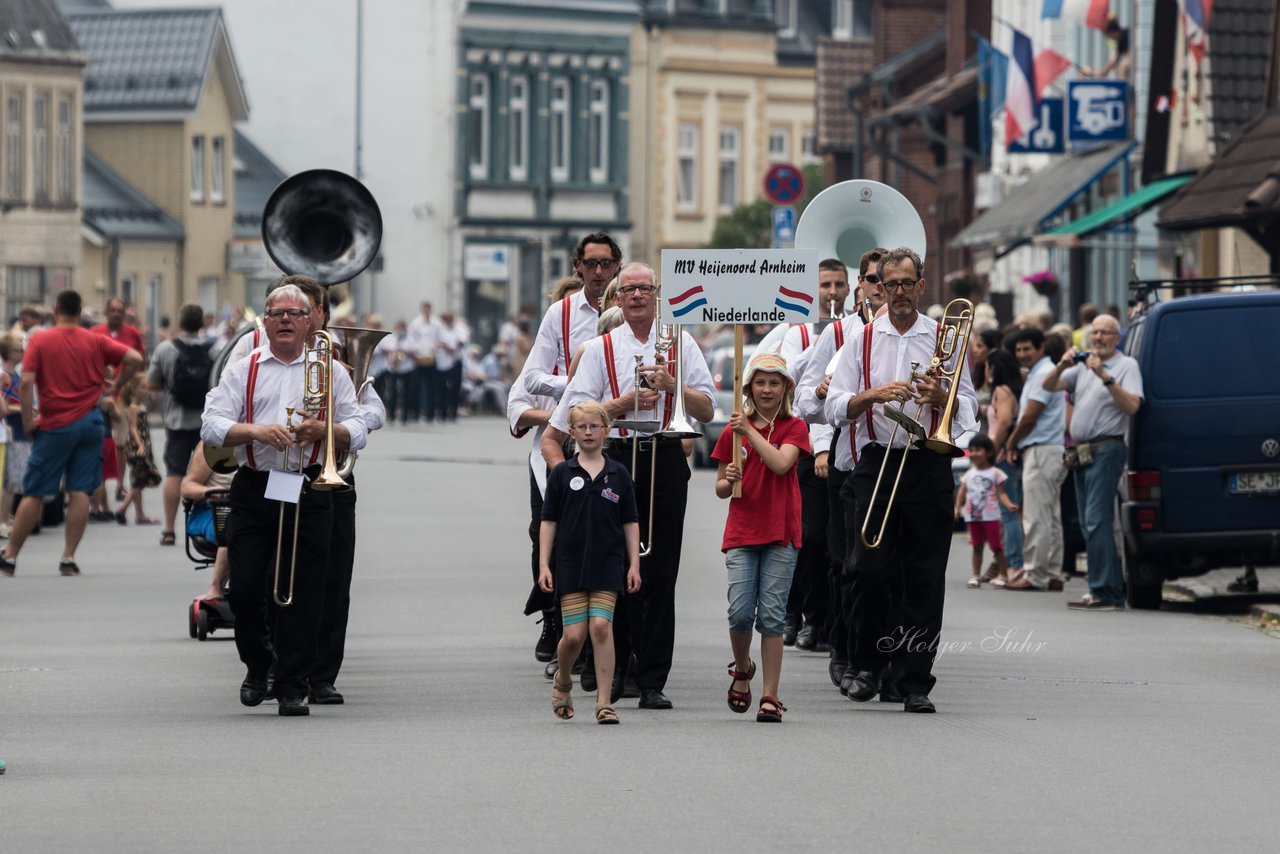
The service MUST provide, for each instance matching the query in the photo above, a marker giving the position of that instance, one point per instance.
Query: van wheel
(1145, 584)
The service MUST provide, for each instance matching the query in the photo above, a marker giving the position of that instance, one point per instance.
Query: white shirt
(891, 358)
(797, 354)
(422, 335)
(591, 382)
(278, 385)
(245, 345)
(547, 367)
(519, 401)
(449, 344)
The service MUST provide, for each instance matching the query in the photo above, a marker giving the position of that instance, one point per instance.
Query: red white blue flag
(1021, 95)
(1086, 13)
(1195, 20)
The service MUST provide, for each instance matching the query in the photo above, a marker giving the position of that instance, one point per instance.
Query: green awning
(1128, 207)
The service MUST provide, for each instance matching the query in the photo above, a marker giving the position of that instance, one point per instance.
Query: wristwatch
(1109, 381)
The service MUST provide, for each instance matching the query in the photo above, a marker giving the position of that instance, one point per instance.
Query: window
(197, 169)
(128, 287)
(809, 149)
(65, 152)
(729, 156)
(687, 160)
(785, 17)
(561, 129)
(851, 19)
(14, 170)
(518, 128)
(218, 170)
(598, 133)
(779, 145)
(25, 286)
(40, 141)
(478, 126)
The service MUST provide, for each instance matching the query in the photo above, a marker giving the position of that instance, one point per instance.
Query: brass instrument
(953, 340)
(868, 313)
(357, 346)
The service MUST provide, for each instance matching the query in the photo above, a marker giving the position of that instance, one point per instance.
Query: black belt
(1102, 440)
(1037, 445)
(647, 443)
(311, 472)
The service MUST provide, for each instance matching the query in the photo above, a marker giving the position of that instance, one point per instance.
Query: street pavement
(1057, 730)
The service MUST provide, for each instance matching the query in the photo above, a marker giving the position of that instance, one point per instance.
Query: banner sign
(1047, 135)
(738, 286)
(1098, 111)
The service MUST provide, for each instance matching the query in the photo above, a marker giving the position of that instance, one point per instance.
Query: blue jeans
(1096, 488)
(1010, 524)
(759, 583)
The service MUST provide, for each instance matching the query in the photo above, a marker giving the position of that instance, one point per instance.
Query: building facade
(41, 102)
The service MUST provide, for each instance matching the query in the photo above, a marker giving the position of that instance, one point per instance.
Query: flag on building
(1021, 95)
(993, 73)
(1049, 66)
(1086, 13)
(1195, 20)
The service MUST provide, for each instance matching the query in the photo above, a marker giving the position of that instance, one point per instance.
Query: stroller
(204, 616)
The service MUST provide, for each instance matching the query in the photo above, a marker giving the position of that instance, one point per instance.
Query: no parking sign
(783, 184)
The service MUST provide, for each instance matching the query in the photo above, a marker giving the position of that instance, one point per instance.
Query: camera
(1083, 357)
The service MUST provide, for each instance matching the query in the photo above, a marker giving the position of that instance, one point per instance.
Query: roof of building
(1240, 36)
(839, 61)
(624, 9)
(114, 209)
(155, 60)
(1241, 187)
(942, 95)
(34, 29)
(256, 176)
(732, 14)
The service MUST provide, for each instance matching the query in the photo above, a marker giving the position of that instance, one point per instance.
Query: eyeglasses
(871, 279)
(1106, 332)
(291, 313)
(904, 285)
(637, 289)
(587, 428)
(602, 263)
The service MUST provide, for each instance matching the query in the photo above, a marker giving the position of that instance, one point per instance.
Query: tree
(750, 226)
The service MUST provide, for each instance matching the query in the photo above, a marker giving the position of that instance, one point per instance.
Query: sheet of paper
(284, 486)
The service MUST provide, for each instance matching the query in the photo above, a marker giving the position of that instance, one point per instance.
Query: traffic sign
(784, 226)
(1098, 111)
(1047, 135)
(783, 184)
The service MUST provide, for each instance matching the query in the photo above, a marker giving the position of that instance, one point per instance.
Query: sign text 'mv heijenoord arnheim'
(711, 314)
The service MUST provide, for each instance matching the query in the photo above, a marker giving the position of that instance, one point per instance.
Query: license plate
(1252, 482)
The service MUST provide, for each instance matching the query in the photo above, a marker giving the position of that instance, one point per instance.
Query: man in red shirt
(117, 329)
(66, 365)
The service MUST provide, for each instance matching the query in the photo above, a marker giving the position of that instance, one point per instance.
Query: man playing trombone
(883, 366)
(257, 408)
(608, 373)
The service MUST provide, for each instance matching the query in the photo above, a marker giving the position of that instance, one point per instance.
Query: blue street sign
(1046, 135)
(784, 226)
(1097, 111)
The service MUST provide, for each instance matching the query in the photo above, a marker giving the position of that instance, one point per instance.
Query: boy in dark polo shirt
(589, 515)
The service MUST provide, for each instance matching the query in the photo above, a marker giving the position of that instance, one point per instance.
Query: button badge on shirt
(576, 484)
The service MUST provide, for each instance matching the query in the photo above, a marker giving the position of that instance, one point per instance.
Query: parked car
(1203, 486)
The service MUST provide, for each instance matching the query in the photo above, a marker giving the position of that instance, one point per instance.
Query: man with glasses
(1106, 391)
(897, 589)
(567, 324)
(249, 410)
(607, 373)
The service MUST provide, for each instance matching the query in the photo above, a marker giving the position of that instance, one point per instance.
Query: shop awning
(1030, 207)
(1125, 209)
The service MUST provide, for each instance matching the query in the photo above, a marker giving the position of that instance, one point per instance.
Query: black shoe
(918, 703)
(846, 680)
(822, 647)
(546, 645)
(291, 707)
(836, 669)
(807, 639)
(789, 629)
(553, 666)
(588, 680)
(271, 688)
(652, 698)
(889, 692)
(253, 690)
(7, 567)
(324, 694)
(864, 686)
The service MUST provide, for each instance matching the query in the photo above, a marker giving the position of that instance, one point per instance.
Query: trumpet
(953, 339)
(317, 400)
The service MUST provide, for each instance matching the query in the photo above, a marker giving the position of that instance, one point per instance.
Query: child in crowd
(589, 516)
(978, 500)
(18, 448)
(762, 532)
(143, 473)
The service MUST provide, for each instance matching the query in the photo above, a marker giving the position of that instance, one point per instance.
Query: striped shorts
(577, 607)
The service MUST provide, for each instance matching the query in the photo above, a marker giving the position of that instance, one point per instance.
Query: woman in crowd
(1004, 380)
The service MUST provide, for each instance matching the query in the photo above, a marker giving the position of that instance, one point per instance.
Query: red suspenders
(866, 379)
(804, 337)
(251, 385)
(612, 371)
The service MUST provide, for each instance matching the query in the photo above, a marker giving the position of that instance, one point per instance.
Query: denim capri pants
(759, 584)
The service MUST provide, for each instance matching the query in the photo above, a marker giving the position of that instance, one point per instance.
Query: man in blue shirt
(1037, 440)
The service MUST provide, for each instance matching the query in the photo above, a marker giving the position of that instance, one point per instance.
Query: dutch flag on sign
(687, 301)
(790, 300)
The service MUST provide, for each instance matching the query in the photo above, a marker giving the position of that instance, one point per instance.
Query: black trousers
(539, 599)
(649, 623)
(913, 555)
(838, 582)
(810, 595)
(251, 549)
(332, 637)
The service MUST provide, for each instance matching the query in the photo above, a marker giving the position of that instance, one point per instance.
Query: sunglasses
(602, 263)
(871, 279)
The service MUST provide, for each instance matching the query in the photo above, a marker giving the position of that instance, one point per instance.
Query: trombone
(317, 399)
(953, 339)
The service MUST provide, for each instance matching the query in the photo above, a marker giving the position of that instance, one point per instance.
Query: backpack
(189, 382)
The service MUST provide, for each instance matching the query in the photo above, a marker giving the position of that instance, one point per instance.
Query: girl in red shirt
(762, 533)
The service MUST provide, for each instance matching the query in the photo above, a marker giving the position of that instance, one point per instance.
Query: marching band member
(873, 371)
(247, 411)
(607, 373)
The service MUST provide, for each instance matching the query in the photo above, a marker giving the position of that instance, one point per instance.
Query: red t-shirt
(69, 365)
(128, 335)
(769, 510)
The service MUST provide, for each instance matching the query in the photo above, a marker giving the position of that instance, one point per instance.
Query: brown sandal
(607, 715)
(772, 714)
(740, 701)
(562, 707)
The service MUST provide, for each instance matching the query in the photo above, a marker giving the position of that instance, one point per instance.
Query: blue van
(1203, 486)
